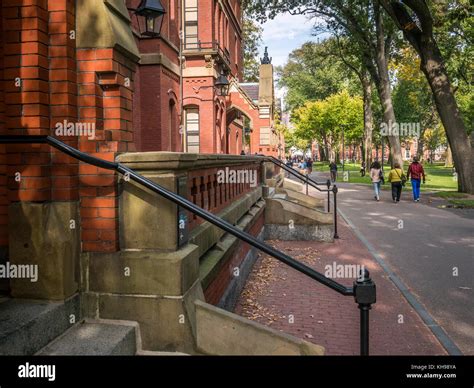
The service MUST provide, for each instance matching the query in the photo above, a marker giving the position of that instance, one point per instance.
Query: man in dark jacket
(333, 170)
(416, 172)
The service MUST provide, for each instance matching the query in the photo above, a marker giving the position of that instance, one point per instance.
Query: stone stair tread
(93, 339)
(158, 353)
(16, 313)
(28, 325)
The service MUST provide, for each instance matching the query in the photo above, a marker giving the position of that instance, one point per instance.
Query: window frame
(194, 133)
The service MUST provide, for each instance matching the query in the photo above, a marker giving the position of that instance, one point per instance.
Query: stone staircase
(290, 214)
(77, 325)
(30, 327)
(26, 326)
(94, 339)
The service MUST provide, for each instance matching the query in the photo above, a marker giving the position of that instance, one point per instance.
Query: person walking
(397, 178)
(362, 169)
(376, 175)
(333, 170)
(416, 172)
(309, 164)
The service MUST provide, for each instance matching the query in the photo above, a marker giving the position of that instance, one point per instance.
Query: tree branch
(423, 13)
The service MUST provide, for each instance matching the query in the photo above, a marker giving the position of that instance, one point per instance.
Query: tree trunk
(462, 150)
(368, 119)
(420, 149)
(322, 154)
(383, 86)
(326, 149)
(420, 36)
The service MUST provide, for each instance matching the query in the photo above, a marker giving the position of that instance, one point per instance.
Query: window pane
(194, 149)
(193, 139)
(192, 130)
(191, 15)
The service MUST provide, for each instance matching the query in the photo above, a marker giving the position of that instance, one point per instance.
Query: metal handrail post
(335, 190)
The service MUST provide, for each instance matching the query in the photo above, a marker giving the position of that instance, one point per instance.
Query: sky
(284, 34)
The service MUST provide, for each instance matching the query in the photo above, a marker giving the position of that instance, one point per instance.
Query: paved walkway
(430, 249)
(286, 300)
(434, 245)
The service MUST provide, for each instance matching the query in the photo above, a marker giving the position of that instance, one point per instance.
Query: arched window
(192, 129)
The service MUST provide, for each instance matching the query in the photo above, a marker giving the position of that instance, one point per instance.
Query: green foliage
(312, 73)
(412, 98)
(251, 41)
(454, 33)
(435, 137)
(324, 120)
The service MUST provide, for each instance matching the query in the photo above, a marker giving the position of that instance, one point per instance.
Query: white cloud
(286, 26)
(284, 34)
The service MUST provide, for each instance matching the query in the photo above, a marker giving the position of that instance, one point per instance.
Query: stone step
(156, 353)
(26, 326)
(94, 339)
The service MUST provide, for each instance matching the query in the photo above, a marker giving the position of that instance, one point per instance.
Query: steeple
(266, 60)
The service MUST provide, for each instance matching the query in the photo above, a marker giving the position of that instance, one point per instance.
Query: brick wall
(156, 105)
(218, 22)
(62, 96)
(46, 81)
(105, 98)
(3, 158)
(26, 86)
(215, 290)
(156, 110)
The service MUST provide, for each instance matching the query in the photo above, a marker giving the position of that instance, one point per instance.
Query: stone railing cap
(179, 161)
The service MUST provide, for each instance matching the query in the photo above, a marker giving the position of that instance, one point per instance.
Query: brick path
(282, 298)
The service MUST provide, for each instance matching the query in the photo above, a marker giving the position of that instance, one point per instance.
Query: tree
(412, 97)
(311, 74)
(364, 23)
(251, 41)
(327, 120)
(347, 52)
(415, 19)
(434, 138)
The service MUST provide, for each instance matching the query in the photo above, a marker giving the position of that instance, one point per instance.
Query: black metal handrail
(314, 184)
(363, 290)
(301, 176)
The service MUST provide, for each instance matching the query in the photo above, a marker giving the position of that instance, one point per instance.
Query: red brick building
(88, 63)
(212, 45)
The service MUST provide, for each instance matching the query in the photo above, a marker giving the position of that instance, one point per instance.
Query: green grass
(464, 203)
(450, 194)
(438, 177)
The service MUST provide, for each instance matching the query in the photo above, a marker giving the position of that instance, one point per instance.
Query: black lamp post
(150, 15)
(222, 85)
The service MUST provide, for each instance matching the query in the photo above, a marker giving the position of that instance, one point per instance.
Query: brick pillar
(26, 83)
(40, 90)
(105, 98)
(3, 159)
(63, 95)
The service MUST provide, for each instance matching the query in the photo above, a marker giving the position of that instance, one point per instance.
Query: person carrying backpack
(416, 172)
(398, 179)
